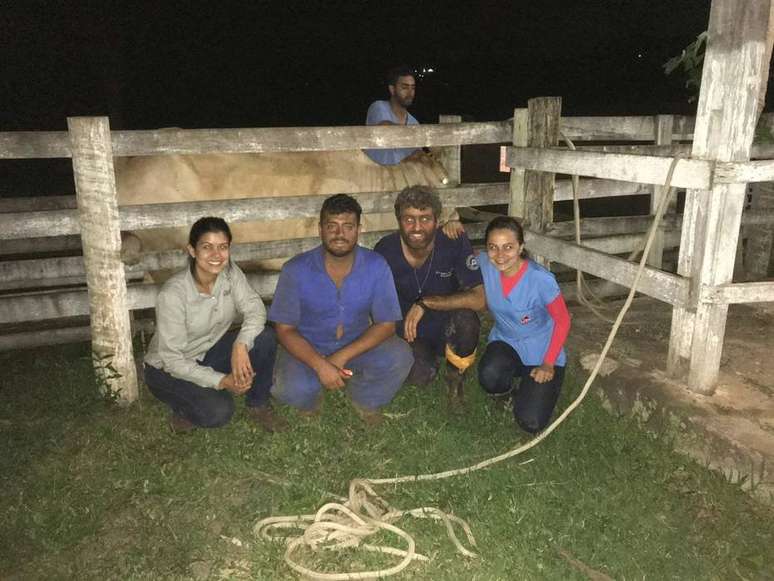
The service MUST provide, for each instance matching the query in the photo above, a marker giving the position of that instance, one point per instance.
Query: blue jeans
(377, 376)
(533, 402)
(212, 408)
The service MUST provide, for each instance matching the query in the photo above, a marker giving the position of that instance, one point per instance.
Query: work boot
(371, 416)
(180, 425)
(455, 388)
(265, 417)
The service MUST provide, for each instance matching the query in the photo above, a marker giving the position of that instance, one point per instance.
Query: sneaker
(371, 416)
(180, 425)
(265, 417)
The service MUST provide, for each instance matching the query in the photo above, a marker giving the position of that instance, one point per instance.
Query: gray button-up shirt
(189, 322)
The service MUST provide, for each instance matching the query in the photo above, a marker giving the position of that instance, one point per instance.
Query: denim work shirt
(307, 298)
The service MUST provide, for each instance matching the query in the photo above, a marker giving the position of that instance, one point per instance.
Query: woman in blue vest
(531, 324)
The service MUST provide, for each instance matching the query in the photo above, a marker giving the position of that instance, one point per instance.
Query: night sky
(255, 64)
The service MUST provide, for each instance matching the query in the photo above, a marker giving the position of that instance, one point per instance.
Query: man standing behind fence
(439, 286)
(401, 84)
(335, 309)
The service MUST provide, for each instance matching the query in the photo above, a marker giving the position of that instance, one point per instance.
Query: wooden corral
(714, 166)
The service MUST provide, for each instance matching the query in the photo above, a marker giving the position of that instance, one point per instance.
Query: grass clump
(93, 491)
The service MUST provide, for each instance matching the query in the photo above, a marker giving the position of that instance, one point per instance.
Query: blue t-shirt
(378, 112)
(307, 298)
(521, 318)
(453, 267)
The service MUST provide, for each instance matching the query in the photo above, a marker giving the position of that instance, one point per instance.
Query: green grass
(93, 491)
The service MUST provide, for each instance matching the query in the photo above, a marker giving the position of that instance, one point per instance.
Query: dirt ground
(731, 430)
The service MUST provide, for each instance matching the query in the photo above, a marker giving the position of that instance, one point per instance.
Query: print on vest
(444, 274)
(472, 262)
(525, 319)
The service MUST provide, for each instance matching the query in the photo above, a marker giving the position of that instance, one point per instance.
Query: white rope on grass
(338, 526)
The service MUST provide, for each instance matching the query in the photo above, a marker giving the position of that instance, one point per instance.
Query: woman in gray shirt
(194, 363)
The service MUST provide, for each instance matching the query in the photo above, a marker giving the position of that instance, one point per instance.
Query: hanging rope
(345, 525)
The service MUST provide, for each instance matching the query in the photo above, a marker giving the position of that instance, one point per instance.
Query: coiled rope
(346, 524)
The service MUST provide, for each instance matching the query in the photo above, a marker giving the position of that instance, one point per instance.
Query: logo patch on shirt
(444, 274)
(471, 262)
(525, 319)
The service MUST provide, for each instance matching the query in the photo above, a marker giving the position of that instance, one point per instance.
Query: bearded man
(334, 310)
(439, 288)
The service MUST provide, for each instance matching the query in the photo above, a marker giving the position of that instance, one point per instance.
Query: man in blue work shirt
(439, 287)
(334, 310)
(402, 85)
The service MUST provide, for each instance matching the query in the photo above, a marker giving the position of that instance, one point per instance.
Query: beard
(417, 244)
(338, 251)
(405, 102)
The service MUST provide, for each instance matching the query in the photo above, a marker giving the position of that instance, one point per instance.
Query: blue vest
(521, 318)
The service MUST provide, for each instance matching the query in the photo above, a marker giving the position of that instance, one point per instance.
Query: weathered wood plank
(31, 246)
(42, 306)
(645, 169)
(34, 224)
(517, 178)
(65, 335)
(621, 128)
(70, 270)
(19, 145)
(724, 130)
(609, 226)
(745, 172)
(747, 292)
(664, 124)
(451, 157)
(655, 283)
(544, 115)
(100, 232)
(53, 144)
(37, 203)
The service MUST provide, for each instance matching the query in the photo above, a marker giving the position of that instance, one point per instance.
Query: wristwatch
(421, 303)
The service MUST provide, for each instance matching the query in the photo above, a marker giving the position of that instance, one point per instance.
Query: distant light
(639, 55)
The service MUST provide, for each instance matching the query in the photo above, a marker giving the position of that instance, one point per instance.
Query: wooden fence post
(664, 127)
(725, 125)
(517, 180)
(544, 119)
(95, 188)
(451, 157)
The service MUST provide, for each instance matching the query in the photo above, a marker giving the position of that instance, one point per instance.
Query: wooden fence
(714, 176)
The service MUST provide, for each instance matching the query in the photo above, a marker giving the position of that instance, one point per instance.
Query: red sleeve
(558, 311)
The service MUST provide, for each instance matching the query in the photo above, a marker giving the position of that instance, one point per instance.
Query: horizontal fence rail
(183, 214)
(24, 145)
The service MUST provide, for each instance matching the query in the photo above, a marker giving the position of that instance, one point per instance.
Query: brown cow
(177, 178)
